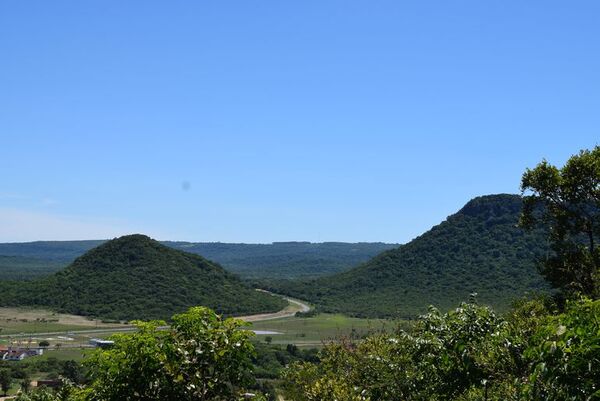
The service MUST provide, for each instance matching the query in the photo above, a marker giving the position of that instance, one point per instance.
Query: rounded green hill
(135, 277)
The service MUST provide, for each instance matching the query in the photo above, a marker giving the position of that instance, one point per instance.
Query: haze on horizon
(261, 122)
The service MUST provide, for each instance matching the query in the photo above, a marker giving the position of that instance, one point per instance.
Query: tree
(567, 202)
(25, 385)
(72, 371)
(5, 380)
(565, 355)
(65, 392)
(200, 357)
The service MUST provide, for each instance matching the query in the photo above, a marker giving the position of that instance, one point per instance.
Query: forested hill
(479, 249)
(135, 277)
(278, 260)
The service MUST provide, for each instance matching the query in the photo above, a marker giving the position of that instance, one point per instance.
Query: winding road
(294, 306)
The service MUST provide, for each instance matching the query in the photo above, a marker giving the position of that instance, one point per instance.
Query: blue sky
(264, 121)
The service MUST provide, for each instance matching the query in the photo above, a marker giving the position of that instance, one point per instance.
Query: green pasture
(314, 331)
(67, 354)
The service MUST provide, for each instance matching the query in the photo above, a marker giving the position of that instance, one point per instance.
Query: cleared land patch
(33, 320)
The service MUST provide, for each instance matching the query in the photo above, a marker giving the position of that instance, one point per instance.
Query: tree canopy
(566, 201)
(201, 357)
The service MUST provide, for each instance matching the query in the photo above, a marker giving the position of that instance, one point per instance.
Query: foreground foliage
(467, 354)
(201, 357)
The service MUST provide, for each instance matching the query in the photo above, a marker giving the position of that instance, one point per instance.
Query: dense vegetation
(277, 260)
(479, 249)
(26, 268)
(21, 373)
(58, 251)
(29, 260)
(270, 359)
(135, 277)
(467, 354)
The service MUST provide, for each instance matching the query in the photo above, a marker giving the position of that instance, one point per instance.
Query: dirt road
(289, 311)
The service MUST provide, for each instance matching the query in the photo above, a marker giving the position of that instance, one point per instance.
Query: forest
(23, 268)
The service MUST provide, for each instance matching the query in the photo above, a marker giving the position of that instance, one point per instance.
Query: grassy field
(67, 354)
(323, 328)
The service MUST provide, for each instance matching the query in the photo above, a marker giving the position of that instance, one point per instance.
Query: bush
(565, 357)
(467, 354)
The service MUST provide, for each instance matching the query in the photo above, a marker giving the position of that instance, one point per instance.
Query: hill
(479, 249)
(276, 260)
(135, 277)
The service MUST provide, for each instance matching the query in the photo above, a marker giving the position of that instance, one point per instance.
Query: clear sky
(260, 121)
